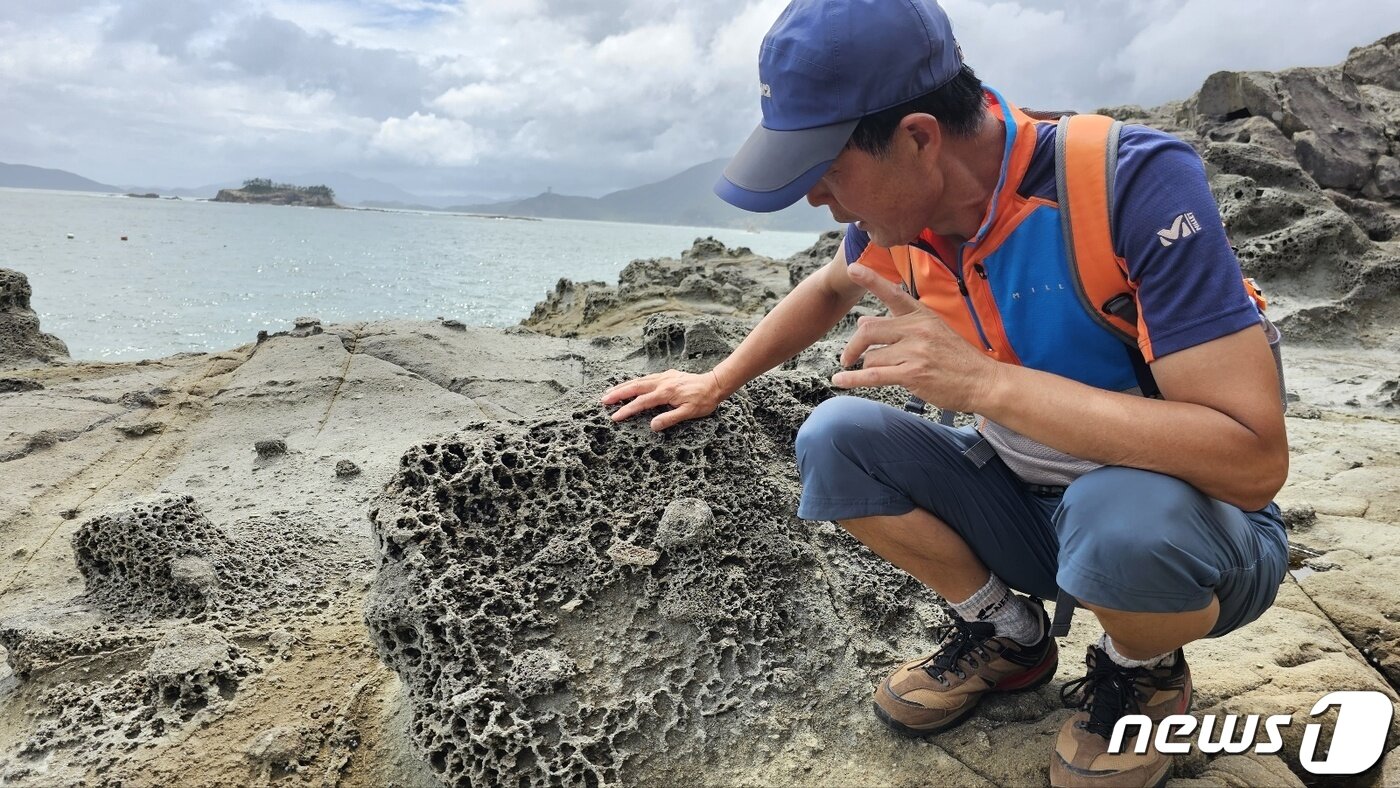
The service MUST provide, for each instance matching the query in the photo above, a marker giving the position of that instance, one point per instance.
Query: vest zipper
(962, 288)
(967, 299)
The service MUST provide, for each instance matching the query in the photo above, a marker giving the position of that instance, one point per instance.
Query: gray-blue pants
(1119, 538)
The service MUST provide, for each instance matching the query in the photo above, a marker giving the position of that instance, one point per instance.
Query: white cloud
(512, 95)
(428, 139)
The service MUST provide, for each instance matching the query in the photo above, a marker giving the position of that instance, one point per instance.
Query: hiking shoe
(1108, 692)
(936, 692)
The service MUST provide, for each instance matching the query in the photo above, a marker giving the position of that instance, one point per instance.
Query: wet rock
(1295, 517)
(270, 447)
(454, 324)
(21, 341)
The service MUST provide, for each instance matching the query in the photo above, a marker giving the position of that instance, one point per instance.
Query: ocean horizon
(199, 276)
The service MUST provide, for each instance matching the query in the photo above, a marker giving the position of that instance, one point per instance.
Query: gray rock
(628, 554)
(345, 469)
(686, 522)
(21, 341)
(539, 671)
(277, 751)
(270, 447)
(500, 578)
(306, 327)
(194, 666)
(11, 385)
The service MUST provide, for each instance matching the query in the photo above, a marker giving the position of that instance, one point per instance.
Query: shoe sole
(924, 733)
(1064, 767)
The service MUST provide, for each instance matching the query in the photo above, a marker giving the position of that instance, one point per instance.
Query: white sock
(1013, 616)
(1159, 661)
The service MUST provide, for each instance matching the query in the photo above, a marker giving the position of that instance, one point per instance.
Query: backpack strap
(1086, 162)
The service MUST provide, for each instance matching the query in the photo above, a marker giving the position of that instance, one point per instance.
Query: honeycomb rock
(192, 667)
(154, 557)
(21, 341)
(533, 656)
(164, 558)
(271, 447)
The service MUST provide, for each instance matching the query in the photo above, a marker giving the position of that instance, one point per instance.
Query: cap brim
(774, 169)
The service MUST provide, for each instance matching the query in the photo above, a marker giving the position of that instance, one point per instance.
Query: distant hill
(23, 176)
(687, 198)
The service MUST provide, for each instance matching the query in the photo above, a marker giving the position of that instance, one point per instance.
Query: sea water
(201, 276)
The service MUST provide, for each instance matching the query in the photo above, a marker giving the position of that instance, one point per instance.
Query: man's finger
(672, 417)
(885, 332)
(627, 390)
(898, 301)
(866, 378)
(886, 356)
(651, 399)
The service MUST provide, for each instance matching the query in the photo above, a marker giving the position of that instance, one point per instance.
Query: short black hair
(959, 106)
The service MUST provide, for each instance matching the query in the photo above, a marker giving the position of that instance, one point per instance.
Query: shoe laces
(961, 641)
(1109, 692)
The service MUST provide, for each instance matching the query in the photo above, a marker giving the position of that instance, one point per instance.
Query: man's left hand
(912, 347)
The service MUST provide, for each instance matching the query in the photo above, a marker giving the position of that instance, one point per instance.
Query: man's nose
(819, 195)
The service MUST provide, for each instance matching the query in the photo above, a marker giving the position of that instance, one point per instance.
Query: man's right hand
(690, 396)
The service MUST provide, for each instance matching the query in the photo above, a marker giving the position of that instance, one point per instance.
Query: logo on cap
(766, 91)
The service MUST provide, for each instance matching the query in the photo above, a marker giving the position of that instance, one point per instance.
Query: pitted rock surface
(192, 670)
(21, 341)
(708, 279)
(165, 558)
(193, 666)
(532, 655)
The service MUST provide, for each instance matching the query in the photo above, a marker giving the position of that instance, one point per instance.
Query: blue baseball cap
(823, 66)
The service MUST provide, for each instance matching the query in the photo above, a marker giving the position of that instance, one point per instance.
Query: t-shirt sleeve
(858, 249)
(1167, 228)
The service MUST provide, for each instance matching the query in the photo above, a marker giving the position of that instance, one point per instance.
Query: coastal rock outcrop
(709, 279)
(21, 341)
(276, 197)
(1305, 164)
(164, 558)
(570, 601)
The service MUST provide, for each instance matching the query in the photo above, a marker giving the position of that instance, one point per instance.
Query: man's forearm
(1204, 447)
(801, 318)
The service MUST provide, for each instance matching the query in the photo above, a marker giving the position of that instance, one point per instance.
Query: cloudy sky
(508, 97)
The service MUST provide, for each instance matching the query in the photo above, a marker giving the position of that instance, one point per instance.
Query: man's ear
(924, 131)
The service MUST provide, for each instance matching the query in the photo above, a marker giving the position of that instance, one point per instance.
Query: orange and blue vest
(1011, 288)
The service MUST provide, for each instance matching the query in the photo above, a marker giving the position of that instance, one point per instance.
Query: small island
(263, 190)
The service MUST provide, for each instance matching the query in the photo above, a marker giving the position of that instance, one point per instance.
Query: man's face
(887, 196)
